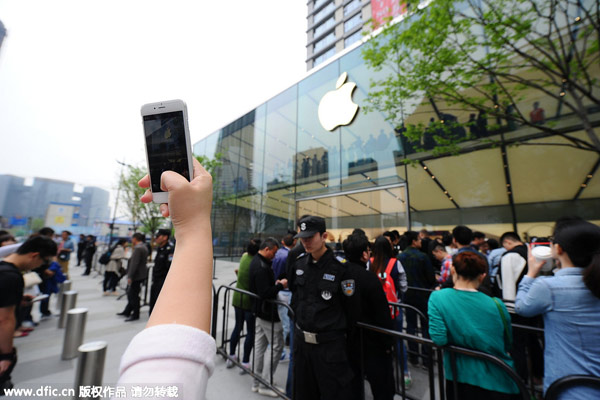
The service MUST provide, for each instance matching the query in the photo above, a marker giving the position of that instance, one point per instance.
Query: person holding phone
(181, 318)
(569, 301)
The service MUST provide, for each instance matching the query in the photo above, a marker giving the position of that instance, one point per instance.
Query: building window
(353, 22)
(355, 37)
(318, 4)
(325, 11)
(353, 5)
(324, 26)
(329, 53)
(324, 42)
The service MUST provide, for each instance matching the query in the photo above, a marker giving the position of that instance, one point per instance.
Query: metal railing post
(90, 366)
(68, 303)
(74, 332)
(64, 287)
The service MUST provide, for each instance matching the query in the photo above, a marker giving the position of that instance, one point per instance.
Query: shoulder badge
(348, 287)
(299, 272)
(326, 295)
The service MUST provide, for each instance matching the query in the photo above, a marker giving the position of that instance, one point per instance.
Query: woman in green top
(242, 304)
(464, 317)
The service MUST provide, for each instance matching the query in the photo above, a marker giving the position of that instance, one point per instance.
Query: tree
(147, 215)
(211, 165)
(491, 60)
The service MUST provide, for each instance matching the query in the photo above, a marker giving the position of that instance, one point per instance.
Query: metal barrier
(434, 361)
(453, 351)
(567, 382)
(225, 334)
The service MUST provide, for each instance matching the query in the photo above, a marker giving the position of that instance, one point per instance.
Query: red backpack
(389, 287)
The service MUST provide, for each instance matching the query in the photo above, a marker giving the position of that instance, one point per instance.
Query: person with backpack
(393, 280)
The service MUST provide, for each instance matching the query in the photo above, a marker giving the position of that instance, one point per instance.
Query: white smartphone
(167, 139)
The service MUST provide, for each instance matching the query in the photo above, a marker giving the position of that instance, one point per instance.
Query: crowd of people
(23, 282)
(463, 289)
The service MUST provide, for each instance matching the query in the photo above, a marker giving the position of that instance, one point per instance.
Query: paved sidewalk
(40, 363)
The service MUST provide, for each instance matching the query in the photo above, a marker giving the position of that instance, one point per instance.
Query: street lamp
(112, 225)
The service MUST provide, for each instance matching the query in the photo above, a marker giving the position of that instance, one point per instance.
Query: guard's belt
(318, 338)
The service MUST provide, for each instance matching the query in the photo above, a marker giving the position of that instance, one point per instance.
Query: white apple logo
(336, 107)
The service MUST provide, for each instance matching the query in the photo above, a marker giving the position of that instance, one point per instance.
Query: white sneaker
(267, 392)
(230, 362)
(255, 389)
(243, 371)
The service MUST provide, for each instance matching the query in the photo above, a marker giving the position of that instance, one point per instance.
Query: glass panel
(328, 54)
(280, 151)
(352, 22)
(355, 37)
(324, 42)
(375, 211)
(324, 12)
(199, 148)
(548, 172)
(317, 161)
(324, 26)
(369, 145)
(353, 5)
(473, 179)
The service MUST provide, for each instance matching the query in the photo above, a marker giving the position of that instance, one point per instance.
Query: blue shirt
(279, 261)
(571, 326)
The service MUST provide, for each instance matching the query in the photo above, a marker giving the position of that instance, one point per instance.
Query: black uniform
(371, 306)
(162, 263)
(320, 293)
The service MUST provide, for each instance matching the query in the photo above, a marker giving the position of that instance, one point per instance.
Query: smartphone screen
(165, 141)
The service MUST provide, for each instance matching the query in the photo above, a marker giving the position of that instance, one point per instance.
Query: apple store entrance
(374, 210)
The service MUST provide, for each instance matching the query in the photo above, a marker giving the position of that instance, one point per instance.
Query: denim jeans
(242, 316)
(284, 296)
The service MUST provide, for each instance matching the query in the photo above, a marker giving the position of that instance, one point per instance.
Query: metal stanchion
(68, 303)
(90, 366)
(64, 287)
(74, 332)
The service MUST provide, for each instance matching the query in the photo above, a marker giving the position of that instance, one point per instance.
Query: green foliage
(211, 164)
(486, 57)
(147, 216)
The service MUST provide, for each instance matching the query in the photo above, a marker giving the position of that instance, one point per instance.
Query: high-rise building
(21, 200)
(94, 206)
(334, 25)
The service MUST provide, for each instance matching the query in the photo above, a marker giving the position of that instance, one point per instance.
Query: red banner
(382, 9)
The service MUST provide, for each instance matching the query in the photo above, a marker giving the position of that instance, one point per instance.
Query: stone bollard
(90, 366)
(74, 332)
(64, 287)
(69, 300)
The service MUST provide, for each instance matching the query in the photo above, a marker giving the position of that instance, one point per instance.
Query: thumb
(170, 180)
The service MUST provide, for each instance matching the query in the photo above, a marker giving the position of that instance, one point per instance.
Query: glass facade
(280, 163)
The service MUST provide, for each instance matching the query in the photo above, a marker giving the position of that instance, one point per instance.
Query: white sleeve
(9, 249)
(511, 266)
(169, 355)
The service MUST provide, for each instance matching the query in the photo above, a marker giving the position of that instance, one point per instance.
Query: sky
(74, 74)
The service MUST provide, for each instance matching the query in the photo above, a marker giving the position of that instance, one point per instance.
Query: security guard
(321, 287)
(162, 263)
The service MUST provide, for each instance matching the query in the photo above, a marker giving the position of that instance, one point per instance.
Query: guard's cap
(309, 226)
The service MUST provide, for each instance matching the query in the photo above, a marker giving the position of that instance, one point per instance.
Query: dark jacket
(136, 269)
(262, 283)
